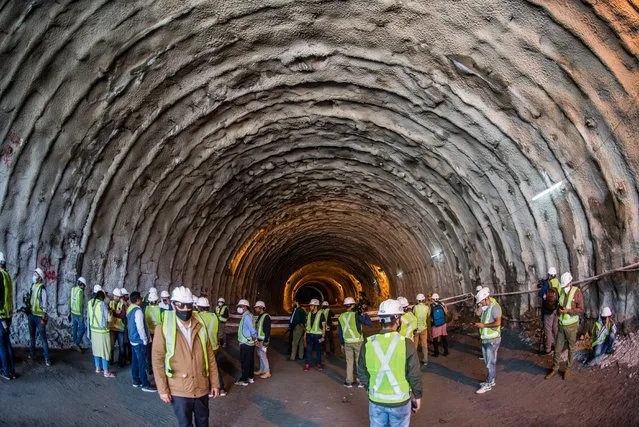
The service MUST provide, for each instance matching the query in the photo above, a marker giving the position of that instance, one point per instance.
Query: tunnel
(273, 149)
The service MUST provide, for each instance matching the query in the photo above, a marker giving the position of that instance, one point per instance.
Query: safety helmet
(482, 295)
(2, 259)
(349, 301)
(324, 303)
(124, 291)
(97, 288)
(153, 291)
(606, 312)
(314, 302)
(221, 300)
(566, 279)
(182, 294)
(403, 301)
(478, 288)
(39, 272)
(420, 297)
(117, 292)
(164, 294)
(390, 307)
(435, 297)
(243, 302)
(552, 271)
(153, 297)
(260, 304)
(82, 280)
(203, 302)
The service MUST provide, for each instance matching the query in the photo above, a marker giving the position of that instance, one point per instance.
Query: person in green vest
(6, 314)
(117, 325)
(490, 334)
(76, 307)
(549, 294)
(327, 345)
(98, 315)
(263, 327)
(246, 336)
(349, 330)
(153, 313)
(389, 368)
(222, 313)
(212, 325)
(571, 305)
(296, 331)
(38, 318)
(603, 335)
(408, 320)
(422, 312)
(314, 335)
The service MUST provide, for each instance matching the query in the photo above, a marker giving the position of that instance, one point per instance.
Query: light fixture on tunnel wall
(548, 190)
(400, 273)
(438, 256)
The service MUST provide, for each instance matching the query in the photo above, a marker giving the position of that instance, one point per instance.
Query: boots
(445, 343)
(551, 374)
(435, 347)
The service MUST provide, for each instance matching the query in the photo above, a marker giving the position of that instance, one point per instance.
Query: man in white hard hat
(212, 324)
(389, 369)
(117, 327)
(490, 333)
(314, 335)
(408, 320)
(139, 337)
(153, 313)
(422, 312)
(571, 305)
(603, 335)
(38, 318)
(327, 345)
(549, 294)
(165, 303)
(349, 330)
(222, 313)
(184, 365)
(439, 331)
(6, 315)
(263, 322)
(246, 336)
(296, 330)
(76, 308)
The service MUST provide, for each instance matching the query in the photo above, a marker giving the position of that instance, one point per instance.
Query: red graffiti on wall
(48, 268)
(13, 139)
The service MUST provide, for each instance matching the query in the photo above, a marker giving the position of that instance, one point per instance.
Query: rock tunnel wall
(246, 148)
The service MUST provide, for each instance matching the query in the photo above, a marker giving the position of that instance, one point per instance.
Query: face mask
(35, 278)
(184, 316)
(240, 310)
(484, 308)
(220, 304)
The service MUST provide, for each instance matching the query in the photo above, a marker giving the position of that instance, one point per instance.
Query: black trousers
(247, 359)
(186, 408)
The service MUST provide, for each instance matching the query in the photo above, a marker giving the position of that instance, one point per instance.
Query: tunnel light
(438, 254)
(548, 190)
(400, 274)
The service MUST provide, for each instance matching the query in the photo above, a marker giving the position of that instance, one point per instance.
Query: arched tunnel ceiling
(228, 144)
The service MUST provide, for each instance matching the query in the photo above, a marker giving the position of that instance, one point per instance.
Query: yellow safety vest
(386, 365)
(169, 328)
(222, 313)
(260, 327)
(408, 324)
(153, 316)
(95, 318)
(210, 322)
(7, 310)
(116, 324)
(555, 283)
(348, 322)
(36, 308)
(489, 333)
(316, 327)
(421, 312)
(77, 298)
(567, 319)
(240, 332)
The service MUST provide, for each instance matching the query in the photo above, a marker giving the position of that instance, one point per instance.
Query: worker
(327, 345)
(145, 300)
(128, 352)
(389, 369)
(138, 333)
(408, 319)
(490, 334)
(76, 306)
(165, 304)
(571, 305)
(314, 335)
(422, 312)
(6, 314)
(184, 365)
(38, 318)
(212, 325)
(117, 313)
(263, 327)
(153, 313)
(222, 313)
(549, 294)
(603, 335)
(98, 316)
(349, 330)
(296, 331)
(96, 289)
(246, 336)
(438, 332)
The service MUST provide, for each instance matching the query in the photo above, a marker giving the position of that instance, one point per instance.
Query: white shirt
(139, 324)
(187, 331)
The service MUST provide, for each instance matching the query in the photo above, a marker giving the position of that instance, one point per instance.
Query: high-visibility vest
(260, 326)
(555, 283)
(489, 333)
(77, 298)
(316, 327)
(348, 322)
(240, 331)
(7, 309)
(599, 332)
(116, 323)
(36, 307)
(210, 322)
(95, 318)
(324, 312)
(222, 313)
(169, 328)
(153, 316)
(567, 319)
(386, 365)
(408, 324)
(421, 312)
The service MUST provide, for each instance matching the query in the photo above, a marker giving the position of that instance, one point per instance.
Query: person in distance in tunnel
(263, 326)
(549, 294)
(38, 318)
(408, 319)
(349, 330)
(212, 324)
(603, 335)
(246, 336)
(138, 333)
(76, 312)
(422, 312)
(490, 334)
(6, 313)
(327, 345)
(296, 331)
(222, 313)
(98, 315)
(438, 314)
(165, 304)
(117, 312)
(314, 335)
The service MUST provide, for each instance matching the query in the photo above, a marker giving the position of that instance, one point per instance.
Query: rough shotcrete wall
(239, 146)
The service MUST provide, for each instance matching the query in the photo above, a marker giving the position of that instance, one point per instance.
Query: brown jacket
(189, 370)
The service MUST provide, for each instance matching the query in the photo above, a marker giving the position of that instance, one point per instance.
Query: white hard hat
(203, 302)
(182, 294)
(435, 297)
(314, 302)
(349, 301)
(606, 312)
(402, 301)
(195, 299)
(487, 289)
(566, 279)
(478, 288)
(420, 297)
(117, 292)
(390, 307)
(260, 304)
(221, 300)
(552, 271)
(153, 291)
(164, 294)
(82, 280)
(124, 291)
(2, 260)
(324, 303)
(97, 288)
(482, 295)
(243, 302)
(153, 297)
(39, 272)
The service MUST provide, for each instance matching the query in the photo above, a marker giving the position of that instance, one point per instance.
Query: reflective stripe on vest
(222, 312)
(316, 328)
(7, 309)
(240, 331)
(421, 312)
(210, 322)
(599, 333)
(76, 300)
(116, 323)
(407, 326)
(567, 319)
(36, 291)
(153, 317)
(348, 322)
(386, 364)
(95, 317)
(325, 314)
(169, 328)
(260, 327)
(489, 333)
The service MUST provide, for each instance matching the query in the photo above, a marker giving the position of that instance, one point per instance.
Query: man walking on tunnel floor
(549, 294)
(246, 336)
(222, 313)
(296, 331)
(349, 329)
(389, 369)
(38, 318)
(263, 327)
(422, 311)
(490, 334)
(314, 335)
(6, 314)
(76, 315)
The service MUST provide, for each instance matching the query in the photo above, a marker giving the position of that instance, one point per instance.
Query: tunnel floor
(70, 394)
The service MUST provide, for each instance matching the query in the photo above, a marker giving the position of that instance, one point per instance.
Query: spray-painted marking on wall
(48, 268)
(14, 140)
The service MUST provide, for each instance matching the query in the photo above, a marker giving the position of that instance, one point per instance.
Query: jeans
(221, 333)
(6, 351)
(601, 349)
(550, 330)
(565, 334)
(187, 408)
(101, 363)
(351, 352)
(247, 360)
(36, 325)
(218, 357)
(138, 365)
(119, 336)
(421, 339)
(384, 416)
(262, 356)
(489, 350)
(297, 345)
(77, 329)
(312, 343)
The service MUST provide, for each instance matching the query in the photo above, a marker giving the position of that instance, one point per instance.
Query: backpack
(552, 299)
(438, 314)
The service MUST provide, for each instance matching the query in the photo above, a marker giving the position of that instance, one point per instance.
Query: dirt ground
(70, 394)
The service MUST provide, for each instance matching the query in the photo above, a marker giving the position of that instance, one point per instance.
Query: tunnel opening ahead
(306, 293)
